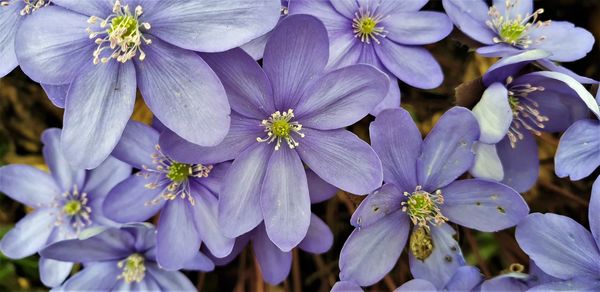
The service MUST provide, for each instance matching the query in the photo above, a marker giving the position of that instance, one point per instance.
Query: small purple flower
(510, 26)
(275, 265)
(290, 113)
(66, 202)
(516, 107)
(421, 188)
(578, 153)
(121, 260)
(387, 34)
(516, 280)
(564, 249)
(103, 50)
(184, 194)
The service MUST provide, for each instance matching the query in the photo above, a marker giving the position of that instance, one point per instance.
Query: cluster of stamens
(30, 5)
(133, 268)
(73, 209)
(422, 208)
(526, 114)
(515, 31)
(279, 127)
(121, 33)
(366, 26)
(173, 176)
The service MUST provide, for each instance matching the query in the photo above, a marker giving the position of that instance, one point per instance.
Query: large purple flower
(578, 153)
(564, 249)
(104, 49)
(510, 26)
(516, 107)
(121, 260)
(385, 33)
(66, 202)
(290, 113)
(421, 188)
(184, 194)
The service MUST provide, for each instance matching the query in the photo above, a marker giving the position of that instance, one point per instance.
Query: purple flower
(385, 33)
(516, 107)
(65, 202)
(564, 249)
(288, 114)
(578, 153)
(510, 26)
(121, 260)
(516, 280)
(421, 188)
(275, 264)
(105, 49)
(184, 194)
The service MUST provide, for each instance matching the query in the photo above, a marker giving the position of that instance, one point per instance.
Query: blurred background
(25, 112)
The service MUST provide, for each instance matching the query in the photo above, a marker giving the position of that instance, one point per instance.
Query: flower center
(421, 243)
(280, 127)
(526, 114)
(422, 208)
(121, 34)
(73, 209)
(133, 268)
(515, 31)
(173, 176)
(365, 26)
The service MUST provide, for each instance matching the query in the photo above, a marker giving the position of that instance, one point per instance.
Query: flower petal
(205, 215)
(447, 150)
(53, 272)
(239, 199)
(416, 285)
(498, 50)
(483, 205)
(560, 246)
(284, 199)
(200, 262)
(493, 113)
(274, 264)
(56, 93)
(184, 93)
(318, 189)
(137, 145)
(346, 8)
(520, 164)
(417, 27)
(578, 153)
(370, 253)
(377, 205)
(397, 141)
(29, 235)
(346, 286)
(16, 182)
(443, 262)
(94, 277)
(466, 278)
(340, 158)
(305, 38)
(87, 7)
(54, 52)
(510, 66)
(177, 238)
(170, 280)
(100, 180)
(594, 210)
(470, 18)
(391, 100)
(130, 200)
(224, 24)
(581, 284)
(411, 64)
(248, 89)
(319, 237)
(342, 97)
(561, 38)
(110, 244)
(98, 105)
(487, 162)
(10, 20)
(397, 6)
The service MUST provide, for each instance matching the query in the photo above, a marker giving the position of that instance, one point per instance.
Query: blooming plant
(236, 145)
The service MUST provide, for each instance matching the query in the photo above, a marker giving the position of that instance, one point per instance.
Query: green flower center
(365, 26)
(514, 30)
(125, 25)
(72, 207)
(133, 268)
(423, 208)
(279, 127)
(178, 172)
(511, 32)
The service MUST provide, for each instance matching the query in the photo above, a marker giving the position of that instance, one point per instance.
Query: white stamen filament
(526, 114)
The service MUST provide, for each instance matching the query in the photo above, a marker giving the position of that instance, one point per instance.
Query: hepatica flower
(510, 26)
(385, 33)
(286, 115)
(184, 194)
(105, 49)
(65, 202)
(421, 192)
(121, 260)
(516, 107)
(578, 153)
(564, 249)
